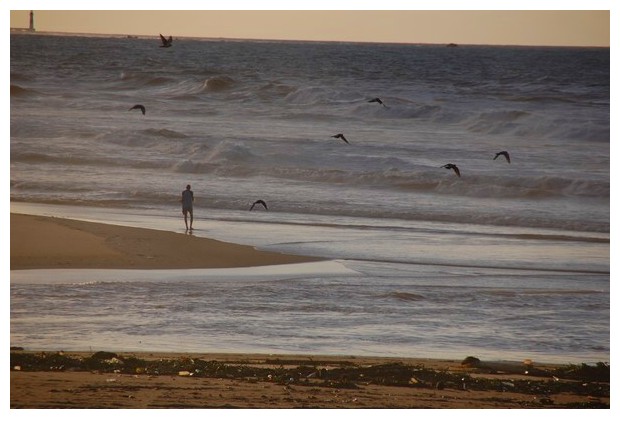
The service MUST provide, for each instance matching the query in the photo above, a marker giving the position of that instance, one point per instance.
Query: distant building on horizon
(31, 28)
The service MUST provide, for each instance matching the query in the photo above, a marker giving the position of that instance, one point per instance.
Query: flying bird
(452, 167)
(259, 202)
(165, 43)
(377, 100)
(141, 107)
(341, 136)
(505, 155)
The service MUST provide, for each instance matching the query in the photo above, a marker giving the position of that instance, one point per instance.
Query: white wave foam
(94, 276)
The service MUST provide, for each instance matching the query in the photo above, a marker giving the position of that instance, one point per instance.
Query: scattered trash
(543, 381)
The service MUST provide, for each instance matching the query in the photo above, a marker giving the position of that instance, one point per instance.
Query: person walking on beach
(187, 202)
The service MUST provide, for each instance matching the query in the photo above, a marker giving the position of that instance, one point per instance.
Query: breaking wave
(219, 83)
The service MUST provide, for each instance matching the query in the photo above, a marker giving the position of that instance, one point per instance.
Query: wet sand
(49, 242)
(181, 380)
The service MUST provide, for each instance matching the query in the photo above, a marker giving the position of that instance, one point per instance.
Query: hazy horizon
(544, 28)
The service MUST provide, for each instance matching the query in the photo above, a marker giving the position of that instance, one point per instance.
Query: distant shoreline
(26, 31)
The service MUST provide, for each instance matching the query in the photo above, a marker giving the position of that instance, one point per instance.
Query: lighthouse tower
(31, 21)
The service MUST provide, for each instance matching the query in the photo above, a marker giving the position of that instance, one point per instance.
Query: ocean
(508, 261)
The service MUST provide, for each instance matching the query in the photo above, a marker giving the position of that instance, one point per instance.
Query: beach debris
(546, 400)
(528, 362)
(342, 375)
(17, 368)
(104, 355)
(471, 361)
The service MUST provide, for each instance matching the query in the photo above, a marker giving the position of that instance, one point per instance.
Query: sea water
(508, 261)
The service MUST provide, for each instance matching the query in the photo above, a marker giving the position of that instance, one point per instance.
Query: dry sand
(49, 242)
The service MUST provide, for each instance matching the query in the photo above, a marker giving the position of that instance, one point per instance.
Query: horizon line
(27, 31)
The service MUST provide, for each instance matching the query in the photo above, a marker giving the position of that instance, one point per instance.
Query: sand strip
(49, 242)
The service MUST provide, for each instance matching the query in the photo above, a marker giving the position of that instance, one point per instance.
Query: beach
(57, 379)
(47, 242)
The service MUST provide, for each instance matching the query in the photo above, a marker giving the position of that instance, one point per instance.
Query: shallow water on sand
(428, 304)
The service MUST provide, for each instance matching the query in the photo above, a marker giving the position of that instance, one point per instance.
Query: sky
(497, 27)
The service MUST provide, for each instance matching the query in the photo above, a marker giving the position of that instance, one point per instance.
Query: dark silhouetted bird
(377, 100)
(165, 43)
(505, 155)
(452, 167)
(341, 136)
(141, 107)
(264, 204)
